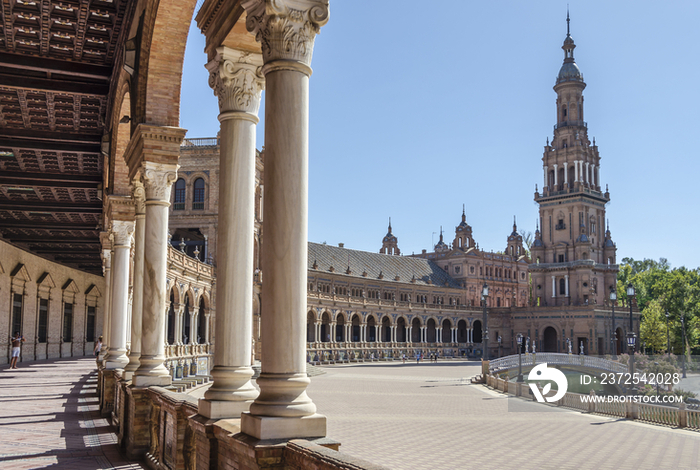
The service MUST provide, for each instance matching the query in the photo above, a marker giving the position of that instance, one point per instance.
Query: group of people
(419, 355)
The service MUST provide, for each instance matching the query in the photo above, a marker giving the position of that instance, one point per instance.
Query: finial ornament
(568, 32)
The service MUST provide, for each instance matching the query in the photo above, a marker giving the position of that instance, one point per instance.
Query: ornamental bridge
(588, 363)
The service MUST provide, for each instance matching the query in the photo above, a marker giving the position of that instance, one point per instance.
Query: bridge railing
(511, 362)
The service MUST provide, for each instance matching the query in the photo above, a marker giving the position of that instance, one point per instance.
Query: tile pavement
(410, 416)
(49, 418)
(429, 417)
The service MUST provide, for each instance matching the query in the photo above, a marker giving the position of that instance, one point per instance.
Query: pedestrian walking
(17, 341)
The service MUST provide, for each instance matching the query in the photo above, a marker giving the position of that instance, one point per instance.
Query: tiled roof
(390, 266)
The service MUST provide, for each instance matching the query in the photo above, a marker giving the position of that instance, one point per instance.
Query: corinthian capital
(286, 29)
(122, 231)
(158, 178)
(237, 80)
(139, 195)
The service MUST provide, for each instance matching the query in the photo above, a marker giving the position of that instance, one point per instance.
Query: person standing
(98, 346)
(17, 341)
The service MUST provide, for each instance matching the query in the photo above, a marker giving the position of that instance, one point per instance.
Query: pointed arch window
(179, 195)
(198, 201)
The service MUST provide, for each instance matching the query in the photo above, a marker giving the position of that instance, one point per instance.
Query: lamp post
(631, 337)
(668, 337)
(613, 298)
(499, 345)
(520, 357)
(683, 326)
(484, 296)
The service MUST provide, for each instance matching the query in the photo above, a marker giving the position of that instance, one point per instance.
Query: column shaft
(237, 83)
(158, 179)
(137, 302)
(117, 358)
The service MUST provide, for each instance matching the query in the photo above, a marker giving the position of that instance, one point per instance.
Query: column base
(220, 409)
(269, 427)
(143, 381)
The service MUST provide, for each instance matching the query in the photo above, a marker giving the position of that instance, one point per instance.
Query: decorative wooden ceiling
(56, 63)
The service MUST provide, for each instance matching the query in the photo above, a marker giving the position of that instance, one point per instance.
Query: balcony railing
(571, 123)
(200, 142)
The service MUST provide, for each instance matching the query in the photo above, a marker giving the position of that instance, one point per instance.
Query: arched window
(198, 201)
(179, 195)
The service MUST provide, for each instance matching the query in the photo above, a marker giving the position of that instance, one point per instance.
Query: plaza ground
(402, 416)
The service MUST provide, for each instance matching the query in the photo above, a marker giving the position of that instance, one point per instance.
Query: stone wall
(33, 278)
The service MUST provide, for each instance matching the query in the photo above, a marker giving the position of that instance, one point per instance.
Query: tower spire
(568, 31)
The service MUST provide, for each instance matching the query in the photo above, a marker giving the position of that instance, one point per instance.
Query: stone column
(332, 328)
(566, 284)
(237, 81)
(179, 311)
(554, 286)
(566, 173)
(137, 302)
(107, 268)
(193, 325)
(207, 334)
(409, 334)
(546, 182)
(117, 358)
(283, 409)
(158, 179)
(286, 30)
(555, 175)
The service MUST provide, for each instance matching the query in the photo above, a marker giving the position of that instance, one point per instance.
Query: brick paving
(428, 416)
(410, 416)
(49, 417)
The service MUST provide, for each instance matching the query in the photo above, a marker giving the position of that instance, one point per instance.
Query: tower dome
(569, 71)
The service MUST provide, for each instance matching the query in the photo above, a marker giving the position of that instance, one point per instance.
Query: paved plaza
(429, 417)
(403, 416)
(49, 418)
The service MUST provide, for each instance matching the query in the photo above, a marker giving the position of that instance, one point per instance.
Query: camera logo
(542, 372)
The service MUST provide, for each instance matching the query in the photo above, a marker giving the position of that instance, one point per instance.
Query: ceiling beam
(52, 180)
(51, 239)
(53, 226)
(58, 86)
(34, 143)
(23, 62)
(77, 251)
(40, 206)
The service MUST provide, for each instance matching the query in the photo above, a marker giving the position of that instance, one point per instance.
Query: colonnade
(281, 409)
(584, 173)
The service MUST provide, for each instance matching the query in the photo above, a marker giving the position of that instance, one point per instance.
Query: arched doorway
(462, 331)
(446, 331)
(186, 324)
(325, 328)
(371, 330)
(385, 335)
(340, 329)
(310, 327)
(171, 319)
(355, 328)
(201, 323)
(415, 331)
(477, 334)
(431, 334)
(401, 330)
(550, 340)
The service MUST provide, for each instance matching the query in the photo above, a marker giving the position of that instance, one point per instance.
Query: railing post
(631, 410)
(591, 403)
(682, 416)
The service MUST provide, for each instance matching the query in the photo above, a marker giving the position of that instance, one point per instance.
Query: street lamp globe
(613, 294)
(630, 290)
(485, 290)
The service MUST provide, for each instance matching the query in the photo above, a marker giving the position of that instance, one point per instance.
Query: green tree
(653, 327)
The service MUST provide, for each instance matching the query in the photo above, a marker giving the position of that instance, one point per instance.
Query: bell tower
(573, 256)
(390, 244)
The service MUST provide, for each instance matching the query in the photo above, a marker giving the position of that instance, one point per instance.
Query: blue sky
(419, 107)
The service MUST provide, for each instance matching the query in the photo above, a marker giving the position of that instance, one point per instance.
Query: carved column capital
(158, 179)
(237, 80)
(106, 259)
(139, 193)
(122, 230)
(286, 29)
